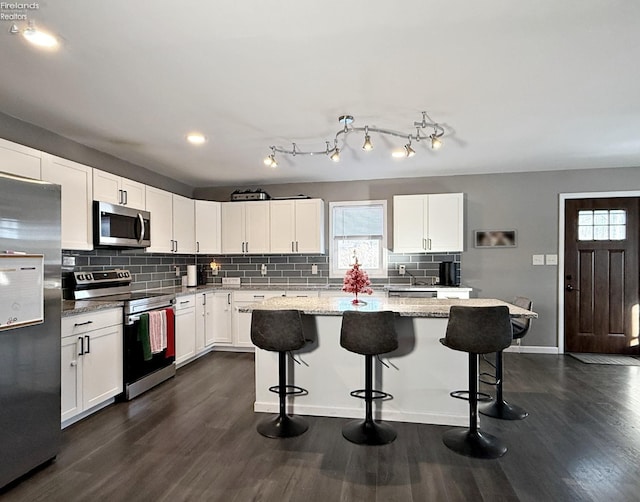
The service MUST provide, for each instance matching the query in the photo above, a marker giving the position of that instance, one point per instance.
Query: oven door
(119, 226)
(134, 364)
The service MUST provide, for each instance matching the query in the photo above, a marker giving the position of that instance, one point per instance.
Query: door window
(602, 225)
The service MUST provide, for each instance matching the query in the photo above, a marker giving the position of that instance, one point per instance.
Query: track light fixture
(270, 160)
(347, 128)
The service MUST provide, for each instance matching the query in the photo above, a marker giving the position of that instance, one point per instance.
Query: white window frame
(378, 273)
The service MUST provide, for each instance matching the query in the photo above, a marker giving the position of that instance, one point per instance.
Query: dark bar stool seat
(280, 331)
(369, 334)
(499, 408)
(476, 330)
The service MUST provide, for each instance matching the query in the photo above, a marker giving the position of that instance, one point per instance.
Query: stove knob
(120, 275)
(126, 273)
(88, 277)
(81, 277)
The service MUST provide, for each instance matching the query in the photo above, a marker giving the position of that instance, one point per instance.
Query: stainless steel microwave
(120, 227)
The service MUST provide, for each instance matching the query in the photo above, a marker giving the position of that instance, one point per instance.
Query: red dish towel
(171, 338)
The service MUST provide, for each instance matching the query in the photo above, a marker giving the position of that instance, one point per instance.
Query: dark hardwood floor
(194, 438)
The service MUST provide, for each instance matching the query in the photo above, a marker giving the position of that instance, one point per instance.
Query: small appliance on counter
(244, 195)
(202, 275)
(449, 273)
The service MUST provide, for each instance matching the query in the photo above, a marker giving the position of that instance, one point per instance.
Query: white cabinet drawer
(185, 302)
(82, 323)
(255, 296)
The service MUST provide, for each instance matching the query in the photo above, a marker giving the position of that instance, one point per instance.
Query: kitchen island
(420, 375)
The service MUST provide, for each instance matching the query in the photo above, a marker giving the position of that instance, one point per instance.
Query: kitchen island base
(420, 375)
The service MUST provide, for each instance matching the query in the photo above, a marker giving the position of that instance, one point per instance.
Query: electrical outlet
(314, 269)
(263, 269)
(68, 261)
(401, 269)
(177, 269)
(537, 259)
(551, 259)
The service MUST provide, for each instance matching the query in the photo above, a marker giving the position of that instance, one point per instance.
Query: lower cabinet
(185, 329)
(241, 321)
(91, 361)
(204, 321)
(221, 305)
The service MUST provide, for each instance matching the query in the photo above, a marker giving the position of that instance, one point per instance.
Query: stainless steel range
(142, 370)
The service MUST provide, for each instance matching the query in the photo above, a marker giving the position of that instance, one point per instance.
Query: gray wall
(35, 137)
(527, 202)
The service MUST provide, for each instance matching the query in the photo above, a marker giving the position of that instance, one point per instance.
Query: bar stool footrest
(375, 394)
(464, 395)
(292, 390)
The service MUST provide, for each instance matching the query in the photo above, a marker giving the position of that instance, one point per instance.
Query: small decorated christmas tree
(356, 281)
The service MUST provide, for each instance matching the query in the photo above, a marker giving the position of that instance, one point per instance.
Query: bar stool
(369, 334)
(499, 408)
(476, 330)
(280, 331)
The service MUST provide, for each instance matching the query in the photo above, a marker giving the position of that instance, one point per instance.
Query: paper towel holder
(192, 276)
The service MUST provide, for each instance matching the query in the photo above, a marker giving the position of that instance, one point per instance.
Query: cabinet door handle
(81, 345)
(424, 243)
(88, 344)
(243, 247)
(197, 246)
(296, 246)
(429, 243)
(126, 197)
(176, 246)
(120, 197)
(228, 298)
(186, 301)
(292, 250)
(247, 247)
(204, 299)
(258, 296)
(83, 323)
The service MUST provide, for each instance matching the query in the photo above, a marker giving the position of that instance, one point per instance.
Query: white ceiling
(519, 86)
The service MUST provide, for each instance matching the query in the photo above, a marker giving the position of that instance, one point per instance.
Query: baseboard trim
(391, 416)
(222, 348)
(532, 349)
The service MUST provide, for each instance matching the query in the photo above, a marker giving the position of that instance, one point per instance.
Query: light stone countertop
(405, 307)
(73, 307)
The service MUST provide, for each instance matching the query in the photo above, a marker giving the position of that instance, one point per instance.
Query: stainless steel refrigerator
(30, 432)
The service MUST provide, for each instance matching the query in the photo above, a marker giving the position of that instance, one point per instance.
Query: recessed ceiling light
(195, 138)
(40, 38)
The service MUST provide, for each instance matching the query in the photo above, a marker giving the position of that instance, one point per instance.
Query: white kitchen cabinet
(297, 226)
(184, 227)
(221, 304)
(91, 361)
(428, 223)
(338, 293)
(245, 227)
(172, 222)
(205, 324)
(302, 294)
(185, 328)
(20, 160)
(76, 200)
(115, 189)
(207, 227)
(241, 321)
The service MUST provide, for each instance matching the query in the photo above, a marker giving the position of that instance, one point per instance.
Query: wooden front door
(601, 275)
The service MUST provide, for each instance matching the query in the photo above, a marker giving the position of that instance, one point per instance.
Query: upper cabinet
(245, 227)
(184, 227)
(297, 226)
(76, 182)
(20, 160)
(430, 223)
(114, 189)
(172, 222)
(207, 227)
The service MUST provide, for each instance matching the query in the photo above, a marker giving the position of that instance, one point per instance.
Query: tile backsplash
(159, 270)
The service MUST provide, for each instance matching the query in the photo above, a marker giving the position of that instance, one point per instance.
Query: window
(602, 225)
(358, 229)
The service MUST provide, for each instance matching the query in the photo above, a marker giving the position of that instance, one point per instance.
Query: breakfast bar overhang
(419, 376)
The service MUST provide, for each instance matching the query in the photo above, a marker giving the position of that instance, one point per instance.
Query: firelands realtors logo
(13, 11)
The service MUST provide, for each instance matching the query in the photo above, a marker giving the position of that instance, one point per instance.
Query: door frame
(561, 233)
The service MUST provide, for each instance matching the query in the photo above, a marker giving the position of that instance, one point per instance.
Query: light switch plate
(68, 261)
(314, 269)
(551, 259)
(538, 259)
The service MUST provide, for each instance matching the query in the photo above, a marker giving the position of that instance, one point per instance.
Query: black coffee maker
(202, 275)
(449, 273)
